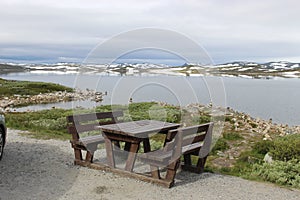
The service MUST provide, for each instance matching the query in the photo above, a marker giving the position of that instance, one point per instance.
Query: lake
(278, 99)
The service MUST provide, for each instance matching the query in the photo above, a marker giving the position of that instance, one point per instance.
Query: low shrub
(280, 172)
(286, 148)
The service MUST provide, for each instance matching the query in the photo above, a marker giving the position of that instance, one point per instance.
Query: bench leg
(187, 159)
(171, 171)
(91, 148)
(78, 155)
(89, 157)
(200, 164)
(154, 171)
(198, 168)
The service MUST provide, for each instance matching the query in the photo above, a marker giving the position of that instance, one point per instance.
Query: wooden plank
(189, 130)
(94, 116)
(109, 152)
(155, 172)
(142, 177)
(139, 128)
(192, 140)
(134, 147)
(123, 138)
(156, 156)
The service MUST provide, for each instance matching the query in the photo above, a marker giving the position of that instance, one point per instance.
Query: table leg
(127, 146)
(109, 152)
(134, 147)
(146, 144)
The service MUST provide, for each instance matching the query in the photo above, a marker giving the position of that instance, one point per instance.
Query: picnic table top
(138, 128)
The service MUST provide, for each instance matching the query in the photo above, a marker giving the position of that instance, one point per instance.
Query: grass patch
(221, 145)
(51, 124)
(232, 136)
(11, 87)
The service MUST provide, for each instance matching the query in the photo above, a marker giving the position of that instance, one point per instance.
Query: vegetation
(11, 87)
(284, 170)
(221, 145)
(280, 172)
(285, 150)
(232, 136)
(48, 124)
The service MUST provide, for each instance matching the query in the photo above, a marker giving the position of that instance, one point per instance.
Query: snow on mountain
(237, 69)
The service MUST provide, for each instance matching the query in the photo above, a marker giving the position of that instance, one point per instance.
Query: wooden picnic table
(132, 133)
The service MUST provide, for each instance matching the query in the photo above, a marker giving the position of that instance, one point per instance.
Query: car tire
(2, 141)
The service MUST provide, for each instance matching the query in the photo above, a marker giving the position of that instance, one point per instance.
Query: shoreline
(8, 104)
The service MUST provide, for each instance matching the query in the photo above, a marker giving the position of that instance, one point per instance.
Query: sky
(48, 31)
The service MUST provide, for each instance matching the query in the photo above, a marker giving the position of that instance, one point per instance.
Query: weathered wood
(85, 123)
(199, 168)
(155, 171)
(142, 177)
(109, 152)
(94, 116)
(133, 133)
(184, 141)
(139, 128)
(134, 147)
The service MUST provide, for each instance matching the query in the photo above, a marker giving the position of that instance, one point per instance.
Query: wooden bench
(83, 123)
(194, 140)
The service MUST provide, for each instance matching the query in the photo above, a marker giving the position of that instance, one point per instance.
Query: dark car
(3, 131)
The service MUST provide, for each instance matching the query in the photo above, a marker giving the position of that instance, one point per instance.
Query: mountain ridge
(243, 69)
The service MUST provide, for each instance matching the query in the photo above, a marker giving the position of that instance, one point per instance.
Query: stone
(268, 158)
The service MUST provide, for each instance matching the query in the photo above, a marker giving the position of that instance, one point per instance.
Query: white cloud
(220, 26)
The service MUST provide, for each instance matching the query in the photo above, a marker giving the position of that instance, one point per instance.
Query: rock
(221, 154)
(268, 158)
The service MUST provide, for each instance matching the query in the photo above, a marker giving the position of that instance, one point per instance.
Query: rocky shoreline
(8, 104)
(239, 121)
(244, 122)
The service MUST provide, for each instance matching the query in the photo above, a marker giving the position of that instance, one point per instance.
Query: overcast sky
(229, 30)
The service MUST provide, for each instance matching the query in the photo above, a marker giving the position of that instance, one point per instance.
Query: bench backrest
(81, 123)
(188, 136)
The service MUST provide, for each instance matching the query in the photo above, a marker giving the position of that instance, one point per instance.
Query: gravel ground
(43, 169)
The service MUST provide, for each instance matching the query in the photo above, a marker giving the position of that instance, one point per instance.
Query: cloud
(220, 26)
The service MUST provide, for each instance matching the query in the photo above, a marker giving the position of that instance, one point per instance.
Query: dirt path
(39, 169)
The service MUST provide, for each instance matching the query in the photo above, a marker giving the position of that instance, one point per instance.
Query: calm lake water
(278, 99)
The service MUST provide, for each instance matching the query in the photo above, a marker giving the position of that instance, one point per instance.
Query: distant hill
(236, 69)
(9, 68)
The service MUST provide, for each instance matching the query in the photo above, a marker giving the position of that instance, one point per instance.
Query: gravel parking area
(43, 169)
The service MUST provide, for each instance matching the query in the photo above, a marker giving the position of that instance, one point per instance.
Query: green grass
(232, 136)
(11, 87)
(221, 145)
(47, 124)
